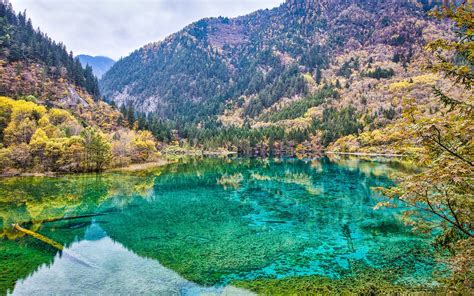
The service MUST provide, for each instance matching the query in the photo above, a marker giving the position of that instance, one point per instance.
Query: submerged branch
(64, 218)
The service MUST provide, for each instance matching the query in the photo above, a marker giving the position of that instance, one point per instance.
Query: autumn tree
(97, 149)
(122, 147)
(144, 144)
(444, 188)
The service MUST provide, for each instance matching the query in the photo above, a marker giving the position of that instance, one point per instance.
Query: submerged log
(72, 218)
(49, 220)
(39, 237)
(53, 244)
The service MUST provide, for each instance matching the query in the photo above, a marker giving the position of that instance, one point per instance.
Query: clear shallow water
(194, 228)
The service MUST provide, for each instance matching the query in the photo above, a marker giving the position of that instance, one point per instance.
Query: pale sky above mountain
(114, 28)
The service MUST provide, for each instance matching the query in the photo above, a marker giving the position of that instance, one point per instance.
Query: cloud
(115, 28)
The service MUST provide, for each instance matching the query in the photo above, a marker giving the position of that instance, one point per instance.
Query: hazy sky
(115, 28)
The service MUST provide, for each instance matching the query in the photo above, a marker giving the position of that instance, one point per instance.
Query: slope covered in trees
(34, 67)
(52, 117)
(21, 43)
(257, 74)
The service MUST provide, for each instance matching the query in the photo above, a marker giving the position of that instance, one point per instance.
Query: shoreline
(163, 161)
(130, 168)
(365, 154)
(139, 166)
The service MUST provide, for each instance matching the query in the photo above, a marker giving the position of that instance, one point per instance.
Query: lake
(206, 226)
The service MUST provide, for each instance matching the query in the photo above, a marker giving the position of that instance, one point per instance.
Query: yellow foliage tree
(145, 146)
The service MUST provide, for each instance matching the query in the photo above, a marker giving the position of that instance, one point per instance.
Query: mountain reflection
(114, 270)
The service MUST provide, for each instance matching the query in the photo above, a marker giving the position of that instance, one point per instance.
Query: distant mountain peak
(99, 64)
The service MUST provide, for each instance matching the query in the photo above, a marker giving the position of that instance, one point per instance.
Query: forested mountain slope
(24, 46)
(254, 62)
(35, 67)
(52, 117)
(304, 72)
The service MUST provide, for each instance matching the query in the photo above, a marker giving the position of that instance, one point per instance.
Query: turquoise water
(196, 227)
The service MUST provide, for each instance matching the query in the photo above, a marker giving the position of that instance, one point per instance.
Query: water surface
(195, 227)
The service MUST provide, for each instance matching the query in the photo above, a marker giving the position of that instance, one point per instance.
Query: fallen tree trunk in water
(39, 237)
(63, 218)
(72, 218)
(52, 243)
